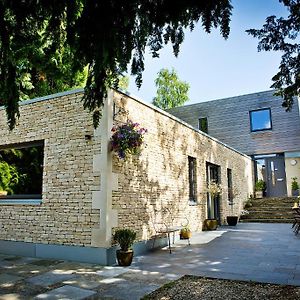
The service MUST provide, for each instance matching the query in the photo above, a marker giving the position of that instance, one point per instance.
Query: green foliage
(295, 184)
(25, 170)
(280, 34)
(171, 92)
(9, 177)
(125, 238)
(248, 203)
(260, 185)
(54, 40)
(123, 83)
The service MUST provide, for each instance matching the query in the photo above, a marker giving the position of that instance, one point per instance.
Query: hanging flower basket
(127, 139)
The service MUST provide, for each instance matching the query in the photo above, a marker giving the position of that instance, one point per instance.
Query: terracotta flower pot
(185, 234)
(258, 194)
(124, 257)
(210, 224)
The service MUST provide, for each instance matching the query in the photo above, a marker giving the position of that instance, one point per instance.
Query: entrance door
(213, 205)
(271, 169)
(276, 180)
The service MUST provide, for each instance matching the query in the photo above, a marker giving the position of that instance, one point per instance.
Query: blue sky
(217, 68)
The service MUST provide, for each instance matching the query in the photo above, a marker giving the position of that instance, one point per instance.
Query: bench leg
(154, 242)
(169, 242)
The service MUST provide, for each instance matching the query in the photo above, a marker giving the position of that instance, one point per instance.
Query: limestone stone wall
(65, 215)
(88, 191)
(156, 182)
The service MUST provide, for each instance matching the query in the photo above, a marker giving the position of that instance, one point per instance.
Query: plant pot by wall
(184, 235)
(232, 220)
(258, 194)
(124, 257)
(3, 193)
(295, 193)
(210, 224)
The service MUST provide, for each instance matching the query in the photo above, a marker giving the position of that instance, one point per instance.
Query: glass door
(213, 204)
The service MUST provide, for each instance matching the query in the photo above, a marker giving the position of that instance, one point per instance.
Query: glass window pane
(260, 119)
(203, 126)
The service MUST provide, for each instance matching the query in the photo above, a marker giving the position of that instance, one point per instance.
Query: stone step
(268, 212)
(274, 203)
(269, 208)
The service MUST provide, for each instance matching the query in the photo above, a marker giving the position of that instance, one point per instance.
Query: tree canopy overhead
(282, 34)
(171, 91)
(46, 40)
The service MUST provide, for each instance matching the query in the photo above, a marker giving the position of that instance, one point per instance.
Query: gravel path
(192, 287)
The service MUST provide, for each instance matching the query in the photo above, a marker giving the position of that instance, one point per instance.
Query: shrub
(295, 184)
(260, 185)
(125, 238)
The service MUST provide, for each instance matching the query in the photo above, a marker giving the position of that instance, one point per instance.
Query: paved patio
(257, 252)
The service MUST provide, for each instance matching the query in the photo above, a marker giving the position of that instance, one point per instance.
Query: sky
(216, 68)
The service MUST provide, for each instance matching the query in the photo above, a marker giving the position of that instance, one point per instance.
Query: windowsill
(193, 203)
(4, 201)
(261, 130)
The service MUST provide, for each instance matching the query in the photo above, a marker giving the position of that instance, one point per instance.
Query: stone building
(257, 125)
(87, 191)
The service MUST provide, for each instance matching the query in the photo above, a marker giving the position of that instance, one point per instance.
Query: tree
(171, 91)
(105, 35)
(280, 34)
(123, 82)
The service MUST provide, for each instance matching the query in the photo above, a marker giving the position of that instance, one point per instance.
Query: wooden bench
(165, 226)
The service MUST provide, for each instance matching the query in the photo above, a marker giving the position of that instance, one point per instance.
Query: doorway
(271, 169)
(213, 204)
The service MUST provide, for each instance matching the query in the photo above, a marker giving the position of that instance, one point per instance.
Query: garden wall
(88, 192)
(64, 215)
(157, 181)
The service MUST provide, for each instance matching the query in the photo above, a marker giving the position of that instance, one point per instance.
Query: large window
(21, 171)
(260, 119)
(192, 179)
(203, 125)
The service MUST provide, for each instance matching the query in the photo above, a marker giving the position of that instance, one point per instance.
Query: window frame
(199, 124)
(22, 199)
(192, 177)
(257, 110)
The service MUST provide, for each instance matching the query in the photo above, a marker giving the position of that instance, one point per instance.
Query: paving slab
(112, 271)
(126, 290)
(7, 279)
(66, 293)
(253, 252)
(50, 278)
(83, 282)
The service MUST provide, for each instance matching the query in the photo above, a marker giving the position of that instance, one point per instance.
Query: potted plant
(125, 238)
(127, 139)
(185, 233)
(214, 190)
(260, 187)
(295, 187)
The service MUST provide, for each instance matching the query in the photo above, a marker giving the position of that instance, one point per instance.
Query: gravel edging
(194, 287)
